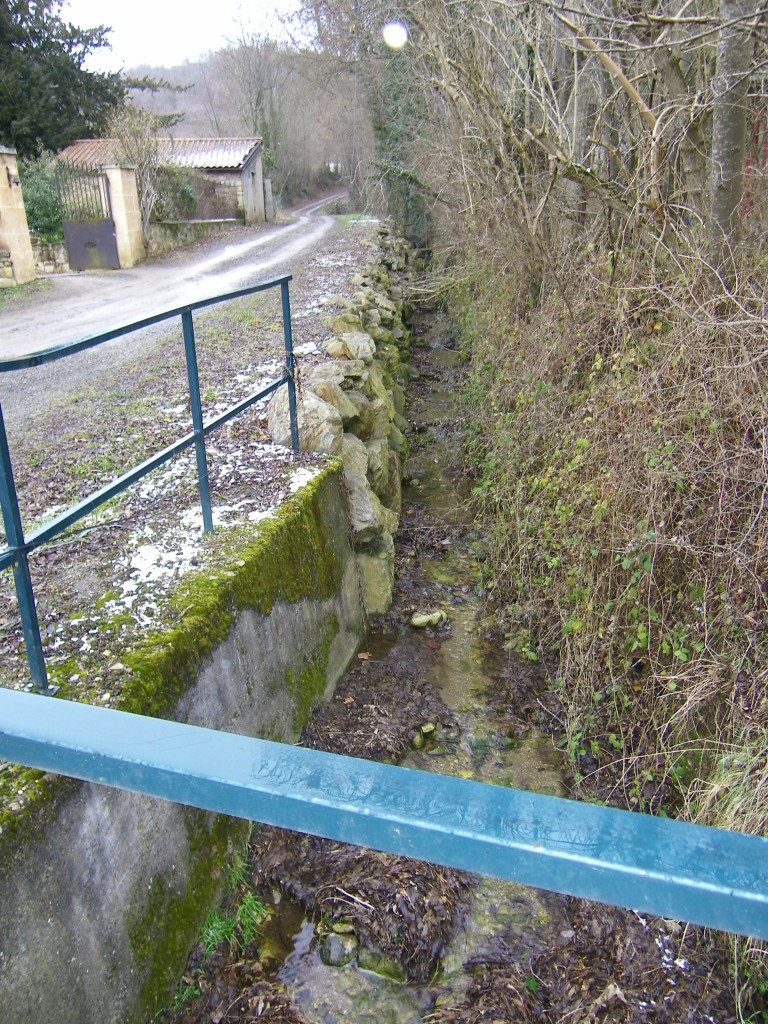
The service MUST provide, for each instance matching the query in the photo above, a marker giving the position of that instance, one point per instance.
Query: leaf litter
(578, 963)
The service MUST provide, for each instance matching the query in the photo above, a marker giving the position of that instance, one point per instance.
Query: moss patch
(291, 557)
(309, 686)
(288, 558)
(170, 921)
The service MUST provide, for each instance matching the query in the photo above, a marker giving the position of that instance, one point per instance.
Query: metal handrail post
(197, 419)
(290, 363)
(9, 502)
(16, 553)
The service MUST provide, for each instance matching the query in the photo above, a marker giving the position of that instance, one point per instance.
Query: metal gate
(86, 213)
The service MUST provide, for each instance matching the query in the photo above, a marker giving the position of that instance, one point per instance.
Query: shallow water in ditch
(476, 749)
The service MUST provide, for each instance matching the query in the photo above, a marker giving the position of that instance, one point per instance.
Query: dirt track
(80, 305)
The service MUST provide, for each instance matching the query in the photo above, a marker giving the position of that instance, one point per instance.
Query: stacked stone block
(352, 405)
(6, 269)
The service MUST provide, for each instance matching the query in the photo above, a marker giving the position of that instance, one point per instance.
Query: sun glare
(395, 34)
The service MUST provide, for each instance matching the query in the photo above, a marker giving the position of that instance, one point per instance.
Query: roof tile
(219, 154)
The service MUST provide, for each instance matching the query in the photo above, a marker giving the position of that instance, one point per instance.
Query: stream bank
(412, 942)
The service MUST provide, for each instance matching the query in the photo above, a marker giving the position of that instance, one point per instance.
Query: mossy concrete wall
(102, 893)
(165, 236)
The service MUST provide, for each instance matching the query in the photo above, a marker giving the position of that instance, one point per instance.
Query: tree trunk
(734, 64)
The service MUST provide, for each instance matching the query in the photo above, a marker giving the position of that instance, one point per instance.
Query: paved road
(82, 305)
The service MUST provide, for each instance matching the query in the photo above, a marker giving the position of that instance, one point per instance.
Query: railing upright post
(14, 531)
(290, 363)
(197, 418)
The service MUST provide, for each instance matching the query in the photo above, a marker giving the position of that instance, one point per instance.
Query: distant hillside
(205, 112)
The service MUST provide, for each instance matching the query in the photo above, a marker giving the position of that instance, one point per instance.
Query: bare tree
(136, 132)
(735, 55)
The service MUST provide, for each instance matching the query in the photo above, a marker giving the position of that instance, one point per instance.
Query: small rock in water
(420, 620)
(372, 960)
(338, 950)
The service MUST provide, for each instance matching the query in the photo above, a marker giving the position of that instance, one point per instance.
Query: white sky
(168, 32)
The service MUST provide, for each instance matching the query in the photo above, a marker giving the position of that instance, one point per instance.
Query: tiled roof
(221, 154)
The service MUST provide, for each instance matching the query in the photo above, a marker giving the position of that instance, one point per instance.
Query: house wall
(253, 189)
(220, 194)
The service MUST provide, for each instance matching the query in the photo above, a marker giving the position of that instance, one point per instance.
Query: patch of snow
(307, 349)
(301, 477)
(256, 517)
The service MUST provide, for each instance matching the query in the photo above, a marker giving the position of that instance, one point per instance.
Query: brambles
(621, 458)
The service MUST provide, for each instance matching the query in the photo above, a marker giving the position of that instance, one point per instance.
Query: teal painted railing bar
(653, 865)
(15, 555)
(291, 366)
(196, 407)
(9, 504)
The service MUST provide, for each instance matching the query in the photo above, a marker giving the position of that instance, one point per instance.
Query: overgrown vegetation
(38, 180)
(238, 921)
(597, 186)
(619, 434)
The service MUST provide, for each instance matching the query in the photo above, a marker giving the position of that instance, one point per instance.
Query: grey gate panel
(86, 214)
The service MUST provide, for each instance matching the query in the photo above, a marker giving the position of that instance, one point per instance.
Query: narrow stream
(475, 748)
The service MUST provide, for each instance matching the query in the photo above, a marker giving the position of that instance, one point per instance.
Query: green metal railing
(689, 872)
(19, 546)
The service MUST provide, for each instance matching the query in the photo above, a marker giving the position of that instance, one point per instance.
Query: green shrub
(38, 182)
(177, 193)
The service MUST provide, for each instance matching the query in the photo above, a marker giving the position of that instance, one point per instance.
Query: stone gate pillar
(126, 214)
(17, 264)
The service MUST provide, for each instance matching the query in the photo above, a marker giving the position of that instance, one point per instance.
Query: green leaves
(48, 99)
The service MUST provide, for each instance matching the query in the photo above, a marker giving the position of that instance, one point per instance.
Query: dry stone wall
(352, 405)
(7, 279)
(50, 257)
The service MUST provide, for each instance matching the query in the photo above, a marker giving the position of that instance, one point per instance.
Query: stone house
(228, 173)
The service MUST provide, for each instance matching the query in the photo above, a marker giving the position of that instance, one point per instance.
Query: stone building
(228, 173)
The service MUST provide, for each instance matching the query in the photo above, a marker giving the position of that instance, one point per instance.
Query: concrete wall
(126, 214)
(102, 893)
(165, 236)
(253, 189)
(15, 246)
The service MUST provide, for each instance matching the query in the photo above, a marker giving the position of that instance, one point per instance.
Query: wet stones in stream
(227, 989)
(402, 912)
(442, 946)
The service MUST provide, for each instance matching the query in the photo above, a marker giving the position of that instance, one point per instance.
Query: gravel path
(68, 437)
(77, 306)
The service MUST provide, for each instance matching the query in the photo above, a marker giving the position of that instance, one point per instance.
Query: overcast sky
(168, 32)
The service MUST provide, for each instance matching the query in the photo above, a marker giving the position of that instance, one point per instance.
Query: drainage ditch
(351, 935)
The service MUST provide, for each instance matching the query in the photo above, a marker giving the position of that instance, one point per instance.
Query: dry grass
(621, 439)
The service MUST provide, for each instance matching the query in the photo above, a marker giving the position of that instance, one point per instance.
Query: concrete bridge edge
(103, 892)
